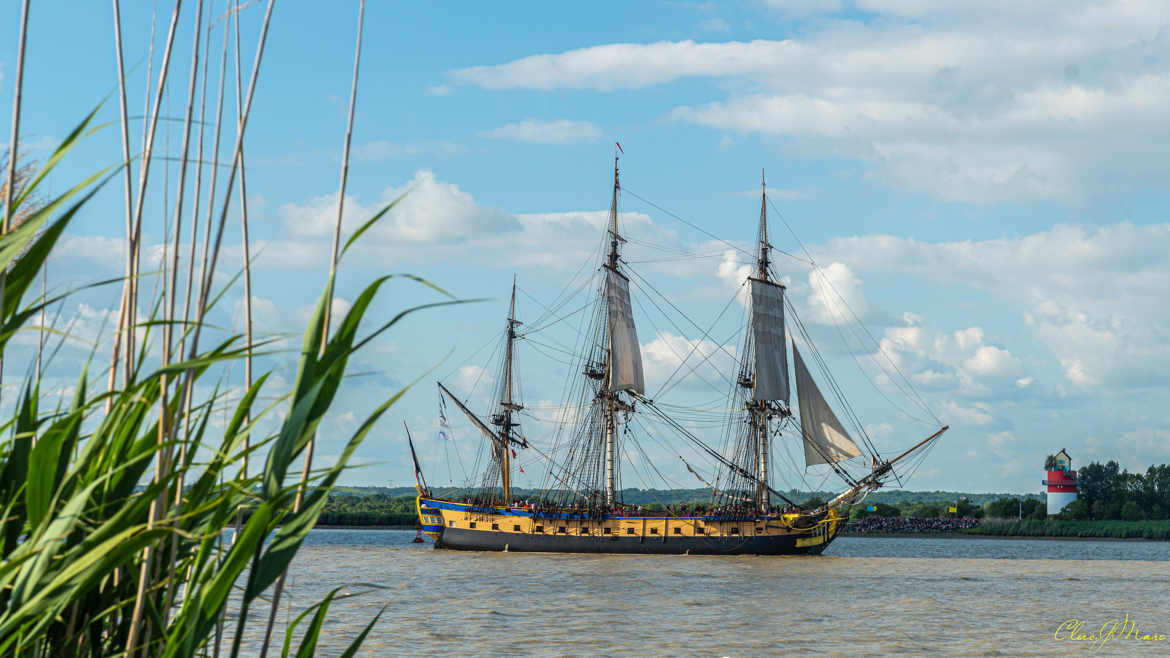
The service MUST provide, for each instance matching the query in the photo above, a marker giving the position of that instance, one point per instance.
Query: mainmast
(615, 366)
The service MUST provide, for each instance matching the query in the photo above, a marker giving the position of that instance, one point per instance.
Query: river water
(865, 596)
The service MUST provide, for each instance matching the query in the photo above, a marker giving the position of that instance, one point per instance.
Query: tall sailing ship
(581, 509)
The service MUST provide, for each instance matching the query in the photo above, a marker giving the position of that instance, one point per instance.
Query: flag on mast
(619, 145)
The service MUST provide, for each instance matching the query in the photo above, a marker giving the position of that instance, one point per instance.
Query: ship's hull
(464, 526)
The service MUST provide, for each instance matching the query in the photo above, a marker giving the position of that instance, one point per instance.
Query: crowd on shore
(903, 525)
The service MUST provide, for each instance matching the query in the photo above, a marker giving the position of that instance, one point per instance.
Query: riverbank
(1054, 528)
(1031, 529)
(967, 535)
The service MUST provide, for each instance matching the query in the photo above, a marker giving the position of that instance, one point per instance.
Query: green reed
(77, 491)
(1060, 528)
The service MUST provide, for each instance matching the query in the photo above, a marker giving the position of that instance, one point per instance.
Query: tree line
(1109, 492)
(1000, 508)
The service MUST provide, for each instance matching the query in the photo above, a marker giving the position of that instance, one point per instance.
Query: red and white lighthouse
(1061, 484)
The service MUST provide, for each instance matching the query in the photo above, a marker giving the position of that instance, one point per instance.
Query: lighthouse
(1061, 484)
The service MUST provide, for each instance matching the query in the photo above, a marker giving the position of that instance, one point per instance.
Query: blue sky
(984, 184)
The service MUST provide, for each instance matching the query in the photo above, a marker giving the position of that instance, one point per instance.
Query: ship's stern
(430, 518)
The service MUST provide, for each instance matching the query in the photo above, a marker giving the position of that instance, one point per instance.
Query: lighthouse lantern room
(1061, 483)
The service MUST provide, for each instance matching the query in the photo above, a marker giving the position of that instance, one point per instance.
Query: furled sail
(625, 354)
(771, 377)
(825, 440)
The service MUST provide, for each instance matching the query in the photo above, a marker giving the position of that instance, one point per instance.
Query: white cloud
(439, 222)
(560, 131)
(999, 439)
(682, 359)
(266, 317)
(836, 296)
(991, 361)
(624, 65)
(972, 102)
(430, 211)
(379, 150)
(958, 362)
(732, 273)
(439, 90)
(338, 309)
(1094, 297)
(978, 414)
(472, 379)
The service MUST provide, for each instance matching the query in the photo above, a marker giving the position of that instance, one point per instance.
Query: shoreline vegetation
(348, 510)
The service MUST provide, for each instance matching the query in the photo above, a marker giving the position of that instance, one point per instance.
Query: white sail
(825, 440)
(625, 354)
(771, 377)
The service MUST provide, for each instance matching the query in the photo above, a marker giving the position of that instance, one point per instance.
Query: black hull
(480, 540)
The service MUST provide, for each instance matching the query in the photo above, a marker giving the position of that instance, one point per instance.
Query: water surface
(866, 596)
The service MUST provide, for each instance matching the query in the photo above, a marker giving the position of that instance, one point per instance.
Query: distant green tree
(812, 502)
(965, 508)
(859, 512)
(1097, 484)
(1003, 508)
(1077, 510)
(1131, 512)
(927, 510)
(1035, 509)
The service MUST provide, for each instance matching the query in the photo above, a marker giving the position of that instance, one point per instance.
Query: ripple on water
(869, 597)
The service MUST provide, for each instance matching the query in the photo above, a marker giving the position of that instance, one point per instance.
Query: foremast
(504, 437)
(508, 406)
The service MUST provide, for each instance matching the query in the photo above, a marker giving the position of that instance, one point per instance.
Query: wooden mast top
(764, 261)
(613, 217)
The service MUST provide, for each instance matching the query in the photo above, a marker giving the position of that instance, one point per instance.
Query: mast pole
(611, 396)
(508, 404)
(760, 408)
(765, 248)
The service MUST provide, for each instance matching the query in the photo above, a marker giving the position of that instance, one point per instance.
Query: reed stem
(308, 465)
(161, 466)
(13, 150)
(246, 246)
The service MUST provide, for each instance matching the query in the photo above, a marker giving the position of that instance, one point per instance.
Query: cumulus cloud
(436, 221)
(1094, 297)
(959, 362)
(682, 359)
(560, 131)
(972, 102)
(836, 296)
(430, 211)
